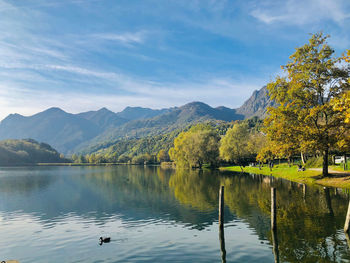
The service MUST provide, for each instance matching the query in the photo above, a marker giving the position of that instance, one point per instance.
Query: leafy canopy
(304, 118)
(195, 147)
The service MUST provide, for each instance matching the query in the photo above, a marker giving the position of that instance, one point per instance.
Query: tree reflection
(308, 229)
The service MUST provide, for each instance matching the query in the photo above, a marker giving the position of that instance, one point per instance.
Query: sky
(83, 55)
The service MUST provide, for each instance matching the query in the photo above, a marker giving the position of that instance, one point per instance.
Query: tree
(304, 115)
(234, 145)
(74, 158)
(163, 156)
(197, 146)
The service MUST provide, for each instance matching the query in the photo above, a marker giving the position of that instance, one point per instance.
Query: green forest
(28, 151)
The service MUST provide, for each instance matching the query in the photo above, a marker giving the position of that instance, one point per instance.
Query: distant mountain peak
(257, 104)
(104, 109)
(54, 109)
(196, 103)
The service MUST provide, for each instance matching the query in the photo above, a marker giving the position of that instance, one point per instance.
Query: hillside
(19, 152)
(177, 118)
(138, 113)
(103, 118)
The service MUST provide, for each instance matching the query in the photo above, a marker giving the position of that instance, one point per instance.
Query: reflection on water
(154, 214)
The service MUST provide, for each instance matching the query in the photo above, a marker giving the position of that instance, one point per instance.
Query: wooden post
(344, 162)
(273, 208)
(221, 224)
(347, 220)
(221, 207)
(222, 245)
(274, 224)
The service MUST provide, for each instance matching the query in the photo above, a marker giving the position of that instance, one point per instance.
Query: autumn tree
(195, 147)
(304, 115)
(163, 156)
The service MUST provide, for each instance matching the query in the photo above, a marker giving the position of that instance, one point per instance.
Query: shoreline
(74, 164)
(310, 176)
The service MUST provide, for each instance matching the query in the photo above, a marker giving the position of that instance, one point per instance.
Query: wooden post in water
(273, 208)
(221, 224)
(222, 245)
(347, 220)
(221, 207)
(274, 224)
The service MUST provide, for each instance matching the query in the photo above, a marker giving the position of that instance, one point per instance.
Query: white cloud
(295, 12)
(126, 38)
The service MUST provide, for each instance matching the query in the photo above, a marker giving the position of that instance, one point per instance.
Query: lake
(57, 214)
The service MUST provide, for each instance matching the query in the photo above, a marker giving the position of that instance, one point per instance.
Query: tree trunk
(325, 163)
(344, 165)
(302, 158)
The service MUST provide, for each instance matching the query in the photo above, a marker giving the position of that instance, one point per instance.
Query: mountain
(19, 152)
(70, 133)
(137, 113)
(103, 118)
(54, 126)
(256, 105)
(176, 118)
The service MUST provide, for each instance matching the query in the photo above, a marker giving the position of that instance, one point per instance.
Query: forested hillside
(28, 151)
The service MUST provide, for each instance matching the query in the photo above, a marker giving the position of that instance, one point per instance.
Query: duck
(105, 239)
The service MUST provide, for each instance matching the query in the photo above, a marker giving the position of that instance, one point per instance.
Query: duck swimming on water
(104, 240)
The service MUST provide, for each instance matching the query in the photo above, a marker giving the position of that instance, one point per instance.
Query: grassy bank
(310, 176)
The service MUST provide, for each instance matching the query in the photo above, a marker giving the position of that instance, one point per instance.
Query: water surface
(57, 214)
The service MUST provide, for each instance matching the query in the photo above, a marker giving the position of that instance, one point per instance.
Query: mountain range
(69, 133)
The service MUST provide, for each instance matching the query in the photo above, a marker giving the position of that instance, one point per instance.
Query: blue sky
(86, 54)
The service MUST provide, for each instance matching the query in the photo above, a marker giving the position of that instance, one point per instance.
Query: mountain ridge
(70, 133)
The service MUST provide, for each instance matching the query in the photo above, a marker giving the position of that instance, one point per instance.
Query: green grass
(292, 174)
(340, 167)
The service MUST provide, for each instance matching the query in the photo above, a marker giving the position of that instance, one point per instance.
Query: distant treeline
(28, 151)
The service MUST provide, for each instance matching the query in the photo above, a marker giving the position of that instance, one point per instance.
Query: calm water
(57, 214)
